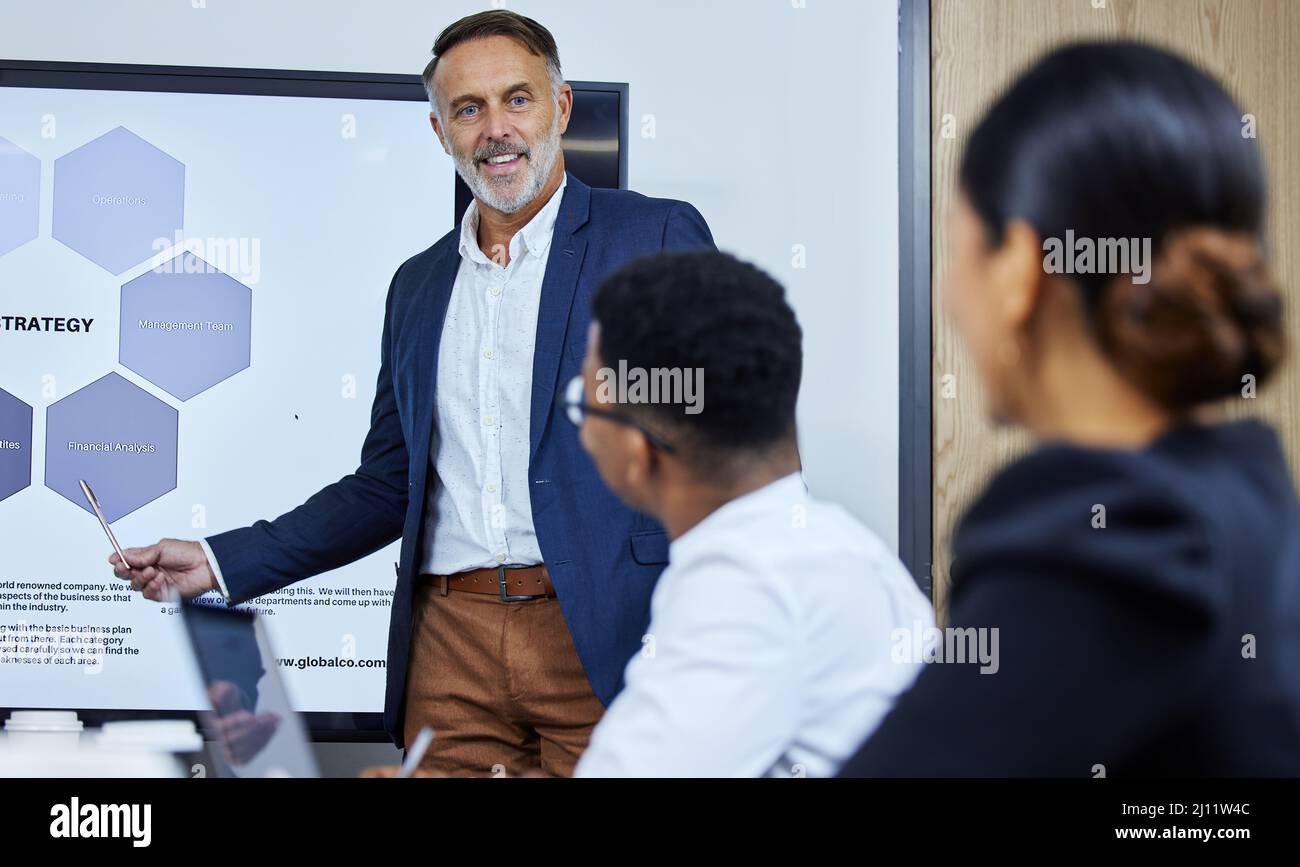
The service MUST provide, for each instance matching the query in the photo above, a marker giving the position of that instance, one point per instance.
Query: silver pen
(94, 505)
(416, 752)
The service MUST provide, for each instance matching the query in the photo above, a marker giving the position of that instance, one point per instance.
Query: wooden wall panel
(977, 47)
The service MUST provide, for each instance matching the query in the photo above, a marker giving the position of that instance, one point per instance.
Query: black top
(1166, 643)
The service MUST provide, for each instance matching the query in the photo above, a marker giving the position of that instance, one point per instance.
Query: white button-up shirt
(479, 513)
(769, 648)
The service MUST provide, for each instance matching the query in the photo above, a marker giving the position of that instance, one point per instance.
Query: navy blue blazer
(603, 558)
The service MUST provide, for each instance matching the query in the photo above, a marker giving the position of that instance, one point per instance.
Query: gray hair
(495, 22)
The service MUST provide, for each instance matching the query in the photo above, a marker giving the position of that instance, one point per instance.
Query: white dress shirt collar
(534, 237)
(787, 489)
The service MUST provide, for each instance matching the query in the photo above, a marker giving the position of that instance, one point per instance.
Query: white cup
(46, 729)
(176, 737)
(161, 736)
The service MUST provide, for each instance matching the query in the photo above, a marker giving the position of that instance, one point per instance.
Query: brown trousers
(500, 684)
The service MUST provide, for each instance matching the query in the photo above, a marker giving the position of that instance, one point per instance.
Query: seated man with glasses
(779, 633)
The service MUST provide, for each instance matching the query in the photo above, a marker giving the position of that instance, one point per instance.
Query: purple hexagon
(20, 196)
(115, 196)
(185, 326)
(15, 445)
(116, 436)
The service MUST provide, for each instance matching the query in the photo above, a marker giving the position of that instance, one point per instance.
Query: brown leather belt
(509, 584)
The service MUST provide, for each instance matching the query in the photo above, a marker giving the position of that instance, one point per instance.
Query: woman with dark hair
(1138, 574)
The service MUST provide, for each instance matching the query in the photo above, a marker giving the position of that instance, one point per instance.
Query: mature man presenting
(523, 585)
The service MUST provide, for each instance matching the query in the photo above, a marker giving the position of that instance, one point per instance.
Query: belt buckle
(501, 583)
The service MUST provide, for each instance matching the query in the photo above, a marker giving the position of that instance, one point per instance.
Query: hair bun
(1210, 315)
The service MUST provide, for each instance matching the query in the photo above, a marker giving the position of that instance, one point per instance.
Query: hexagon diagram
(115, 196)
(185, 326)
(116, 436)
(20, 196)
(15, 445)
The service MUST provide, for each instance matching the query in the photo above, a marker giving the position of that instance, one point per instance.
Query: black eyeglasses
(576, 408)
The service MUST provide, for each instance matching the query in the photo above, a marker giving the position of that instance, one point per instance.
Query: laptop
(254, 730)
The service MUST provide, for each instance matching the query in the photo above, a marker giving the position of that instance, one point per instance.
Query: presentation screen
(193, 267)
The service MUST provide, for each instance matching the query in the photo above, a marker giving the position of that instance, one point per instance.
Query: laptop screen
(254, 730)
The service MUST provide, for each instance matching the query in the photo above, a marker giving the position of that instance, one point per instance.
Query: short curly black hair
(711, 312)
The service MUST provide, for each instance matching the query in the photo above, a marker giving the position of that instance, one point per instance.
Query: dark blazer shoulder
(614, 202)
(427, 259)
(411, 276)
(1124, 519)
(676, 224)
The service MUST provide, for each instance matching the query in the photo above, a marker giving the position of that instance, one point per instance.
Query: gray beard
(541, 161)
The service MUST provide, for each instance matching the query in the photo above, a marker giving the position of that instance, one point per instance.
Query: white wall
(776, 118)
